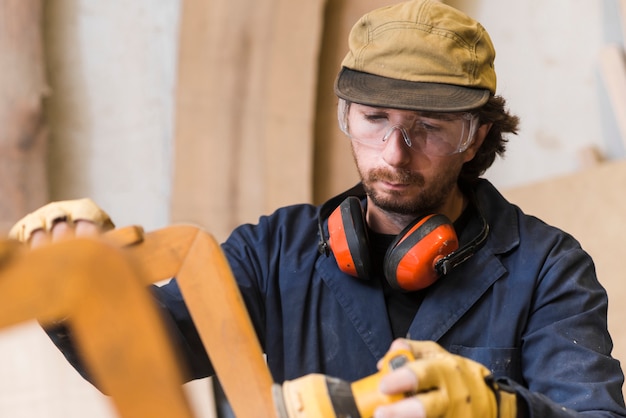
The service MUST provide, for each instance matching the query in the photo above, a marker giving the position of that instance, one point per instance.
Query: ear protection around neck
(425, 250)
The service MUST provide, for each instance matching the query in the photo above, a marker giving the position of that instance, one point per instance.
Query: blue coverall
(527, 305)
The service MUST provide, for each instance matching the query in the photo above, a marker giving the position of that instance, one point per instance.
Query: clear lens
(438, 134)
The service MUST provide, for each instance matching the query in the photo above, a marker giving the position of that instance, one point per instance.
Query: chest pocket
(502, 362)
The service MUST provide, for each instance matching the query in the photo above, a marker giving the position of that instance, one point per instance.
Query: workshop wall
(113, 73)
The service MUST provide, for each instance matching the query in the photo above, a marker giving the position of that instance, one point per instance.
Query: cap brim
(375, 90)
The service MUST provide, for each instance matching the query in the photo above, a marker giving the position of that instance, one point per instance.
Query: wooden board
(334, 169)
(245, 109)
(613, 70)
(23, 133)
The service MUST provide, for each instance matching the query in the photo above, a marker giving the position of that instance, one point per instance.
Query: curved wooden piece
(218, 311)
(100, 289)
(113, 319)
(222, 320)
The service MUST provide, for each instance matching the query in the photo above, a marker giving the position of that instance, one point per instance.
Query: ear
(479, 137)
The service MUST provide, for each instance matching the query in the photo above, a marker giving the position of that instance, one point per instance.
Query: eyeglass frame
(343, 108)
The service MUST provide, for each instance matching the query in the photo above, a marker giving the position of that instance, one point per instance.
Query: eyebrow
(440, 115)
(446, 116)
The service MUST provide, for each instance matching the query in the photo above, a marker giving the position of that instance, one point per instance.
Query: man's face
(409, 180)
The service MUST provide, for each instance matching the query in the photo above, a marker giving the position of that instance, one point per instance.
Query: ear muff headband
(410, 262)
(347, 232)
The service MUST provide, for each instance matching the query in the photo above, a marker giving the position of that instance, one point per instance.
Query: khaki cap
(418, 55)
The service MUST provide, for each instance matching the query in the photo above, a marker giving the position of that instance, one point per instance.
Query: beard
(429, 198)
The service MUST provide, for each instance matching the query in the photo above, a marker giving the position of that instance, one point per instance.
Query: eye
(425, 125)
(375, 117)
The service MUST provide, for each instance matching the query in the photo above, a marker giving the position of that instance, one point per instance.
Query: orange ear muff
(348, 240)
(411, 258)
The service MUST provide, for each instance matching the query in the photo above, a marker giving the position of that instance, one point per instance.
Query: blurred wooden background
(215, 112)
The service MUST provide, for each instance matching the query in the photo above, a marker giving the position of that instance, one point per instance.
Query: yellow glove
(67, 210)
(451, 386)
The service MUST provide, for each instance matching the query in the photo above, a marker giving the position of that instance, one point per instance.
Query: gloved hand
(445, 386)
(69, 211)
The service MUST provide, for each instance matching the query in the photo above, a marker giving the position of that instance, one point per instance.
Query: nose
(397, 147)
(402, 131)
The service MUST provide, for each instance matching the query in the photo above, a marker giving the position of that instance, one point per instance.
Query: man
(503, 312)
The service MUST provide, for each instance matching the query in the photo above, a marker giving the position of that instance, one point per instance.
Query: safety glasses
(434, 134)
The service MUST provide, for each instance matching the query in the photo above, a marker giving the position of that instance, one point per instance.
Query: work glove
(445, 386)
(69, 211)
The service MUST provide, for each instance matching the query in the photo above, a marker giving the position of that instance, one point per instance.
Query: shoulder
(286, 226)
(511, 227)
(533, 250)
(285, 220)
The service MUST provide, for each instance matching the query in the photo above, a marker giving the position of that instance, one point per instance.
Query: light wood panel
(23, 135)
(245, 109)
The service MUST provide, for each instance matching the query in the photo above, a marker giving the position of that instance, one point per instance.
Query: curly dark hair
(496, 113)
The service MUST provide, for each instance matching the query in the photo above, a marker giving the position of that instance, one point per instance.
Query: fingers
(86, 209)
(426, 349)
(446, 385)
(396, 345)
(60, 230)
(60, 216)
(399, 344)
(63, 230)
(38, 238)
(406, 408)
(419, 349)
(401, 380)
(86, 229)
(416, 377)
(421, 377)
(430, 401)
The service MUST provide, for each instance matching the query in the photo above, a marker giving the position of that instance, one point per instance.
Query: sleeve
(567, 362)
(248, 258)
(184, 336)
(61, 337)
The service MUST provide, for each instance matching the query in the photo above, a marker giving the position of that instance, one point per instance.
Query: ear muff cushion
(348, 240)
(410, 260)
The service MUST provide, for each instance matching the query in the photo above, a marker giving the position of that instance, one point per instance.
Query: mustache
(400, 176)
